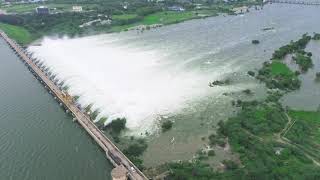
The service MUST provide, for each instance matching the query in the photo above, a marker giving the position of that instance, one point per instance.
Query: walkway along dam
(124, 168)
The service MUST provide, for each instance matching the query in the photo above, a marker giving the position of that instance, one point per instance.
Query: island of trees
(273, 142)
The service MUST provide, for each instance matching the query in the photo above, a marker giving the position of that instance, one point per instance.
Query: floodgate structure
(124, 168)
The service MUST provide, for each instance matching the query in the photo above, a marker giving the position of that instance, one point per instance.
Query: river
(164, 74)
(38, 140)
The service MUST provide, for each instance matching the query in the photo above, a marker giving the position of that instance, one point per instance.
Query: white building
(77, 8)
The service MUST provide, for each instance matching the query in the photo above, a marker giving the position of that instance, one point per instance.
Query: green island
(272, 141)
(105, 16)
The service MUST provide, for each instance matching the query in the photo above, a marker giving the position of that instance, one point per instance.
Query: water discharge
(140, 85)
(166, 71)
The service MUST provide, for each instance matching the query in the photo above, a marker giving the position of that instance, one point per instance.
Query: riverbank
(272, 141)
(63, 22)
(20, 34)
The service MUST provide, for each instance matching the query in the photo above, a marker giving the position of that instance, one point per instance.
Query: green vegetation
(251, 73)
(316, 36)
(88, 108)
(167, 17)
(278, 75)
(106, 16)
(20, 34)
(294, 46)
(261, 118)
(272, 142)
(19, 8)
(304, 62)
(94, 114)
(117, 125)
(166, 125)
(134, 151)
(305, 131)
(217, 140)
(280, 69)
(318, 75)
(100, 123)
(76, 98)
(211, 153)
(124, 17)
(255, 41)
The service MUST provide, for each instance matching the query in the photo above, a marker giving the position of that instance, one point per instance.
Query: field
(124, 17)
(19, 8)
(278, 68)
(168, 17)
(20, 34)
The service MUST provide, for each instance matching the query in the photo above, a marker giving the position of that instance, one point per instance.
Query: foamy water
(140, 85)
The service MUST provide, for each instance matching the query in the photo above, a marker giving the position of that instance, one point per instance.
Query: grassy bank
(105, 17)
(20, 34)
(273, 142)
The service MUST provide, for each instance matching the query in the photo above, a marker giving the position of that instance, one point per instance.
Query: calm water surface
(38, 141)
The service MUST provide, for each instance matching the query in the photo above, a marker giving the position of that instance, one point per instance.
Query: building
(240, 10)
(77, 8)
(176, 8)
(42, 10)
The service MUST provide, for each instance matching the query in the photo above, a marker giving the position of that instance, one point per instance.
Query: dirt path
(280, 137)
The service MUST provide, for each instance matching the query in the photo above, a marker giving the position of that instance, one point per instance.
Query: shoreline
(141, 25)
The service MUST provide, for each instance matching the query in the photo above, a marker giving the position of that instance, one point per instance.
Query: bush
(292, 47)
(135, 149)
(94, 115)
(316, 36)
(118, 125)
(230, 165)
(166, 126)
(303, 61)
(251, 73)
(211, 153)
(217, 140)
(255, 41)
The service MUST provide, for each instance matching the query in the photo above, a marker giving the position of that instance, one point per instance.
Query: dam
(124, 168)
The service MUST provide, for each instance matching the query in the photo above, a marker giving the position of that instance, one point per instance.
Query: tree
(118, 125)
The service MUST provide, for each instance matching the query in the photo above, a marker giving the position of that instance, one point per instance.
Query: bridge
(301, 2)
(124, 168)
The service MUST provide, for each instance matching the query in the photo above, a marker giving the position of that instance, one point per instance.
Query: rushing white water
(124, 82)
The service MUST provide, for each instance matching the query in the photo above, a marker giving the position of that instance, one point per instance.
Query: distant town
(53, 17)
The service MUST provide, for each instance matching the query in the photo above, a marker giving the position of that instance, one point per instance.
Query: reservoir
(38, 140)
